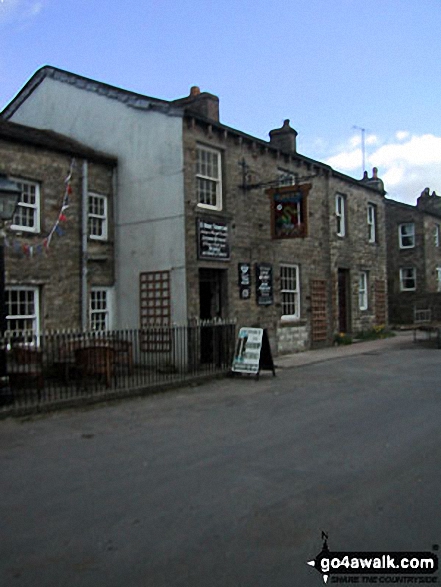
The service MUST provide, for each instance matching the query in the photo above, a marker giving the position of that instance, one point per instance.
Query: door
(343, 301)
(211, 306)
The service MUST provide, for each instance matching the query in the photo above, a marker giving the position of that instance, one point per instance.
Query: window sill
(28, 231)
(98, 239)
(208, 208)
(291, 323)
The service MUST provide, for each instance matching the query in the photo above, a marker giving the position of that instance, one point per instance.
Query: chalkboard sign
(213, 239)
(264, 284)
(244, 281)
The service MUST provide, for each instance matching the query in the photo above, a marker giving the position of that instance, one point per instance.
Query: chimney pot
(195, 91)
(284, 138)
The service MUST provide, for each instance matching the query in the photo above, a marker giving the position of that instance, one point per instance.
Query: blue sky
(327, 65)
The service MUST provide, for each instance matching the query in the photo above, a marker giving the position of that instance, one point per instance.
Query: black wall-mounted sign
(264, 284)
(213, 239)
(244, 281)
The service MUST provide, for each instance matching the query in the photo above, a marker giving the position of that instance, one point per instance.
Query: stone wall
(56, 271)
(248, 214)
(354, 253)
(425, 256)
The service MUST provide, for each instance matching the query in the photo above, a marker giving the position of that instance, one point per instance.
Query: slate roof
(142, 102)
(11, 131)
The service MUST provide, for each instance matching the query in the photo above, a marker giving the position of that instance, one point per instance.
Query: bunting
(30, 250)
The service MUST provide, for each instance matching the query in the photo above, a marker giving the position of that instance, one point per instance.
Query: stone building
(59, 253)
(414, 258)
(314, 238)
(214, 223)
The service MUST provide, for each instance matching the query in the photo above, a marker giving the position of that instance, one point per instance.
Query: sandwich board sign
(253, 352)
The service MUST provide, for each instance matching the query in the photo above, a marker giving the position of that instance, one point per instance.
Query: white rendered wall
(149, 207)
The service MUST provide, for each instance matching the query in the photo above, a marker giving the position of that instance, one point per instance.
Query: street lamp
(9, 196)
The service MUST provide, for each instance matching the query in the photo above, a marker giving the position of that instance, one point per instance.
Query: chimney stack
(429, 202)
(202, 103)
(374, 181)
(284, 138)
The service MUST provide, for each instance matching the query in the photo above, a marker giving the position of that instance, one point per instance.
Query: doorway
(343, 301)
(211, 306)
(210, 294)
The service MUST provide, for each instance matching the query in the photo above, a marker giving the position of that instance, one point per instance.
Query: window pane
(97, 220)
(208, 177)
(289, 291)
(26, 215)
(21, 308)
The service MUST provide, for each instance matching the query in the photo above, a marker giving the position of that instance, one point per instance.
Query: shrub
(342, 338)
(379, 331)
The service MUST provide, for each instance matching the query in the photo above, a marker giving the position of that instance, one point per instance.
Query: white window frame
(363, 291)
(35, 208)
(340, 214)
(290, 291)
(402, 234)
(102, 218)
(107, 310)
(404, 278)
(437, 235)
(205, 177)
(438, 278)
(286, 177)
(372, 223)
(33, 317)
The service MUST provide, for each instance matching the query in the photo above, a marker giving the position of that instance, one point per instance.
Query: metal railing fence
(53, 368)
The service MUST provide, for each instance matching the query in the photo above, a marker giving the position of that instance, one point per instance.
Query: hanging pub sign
(289, 211)
(244, 281)
(213, 239)
(264, 284)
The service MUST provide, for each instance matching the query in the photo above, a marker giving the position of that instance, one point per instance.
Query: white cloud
(407, 165)
(346, 160)
(355, 141)
(402, 134)
(371, 140)
(19, 10)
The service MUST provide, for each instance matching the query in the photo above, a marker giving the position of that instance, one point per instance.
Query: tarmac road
(230, 483)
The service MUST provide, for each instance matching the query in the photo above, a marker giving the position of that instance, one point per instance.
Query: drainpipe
(84, 230)
(115, 204)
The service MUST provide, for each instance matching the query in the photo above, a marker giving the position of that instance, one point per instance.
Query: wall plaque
(213, 239)
(244, 281)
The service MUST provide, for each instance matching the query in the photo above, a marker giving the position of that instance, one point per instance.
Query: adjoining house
(59, 251)
(414, 259)
(213, 223)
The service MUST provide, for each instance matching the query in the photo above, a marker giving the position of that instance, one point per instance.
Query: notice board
(264, 284)
(253, 352)
(247, 353)
(213, 239)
